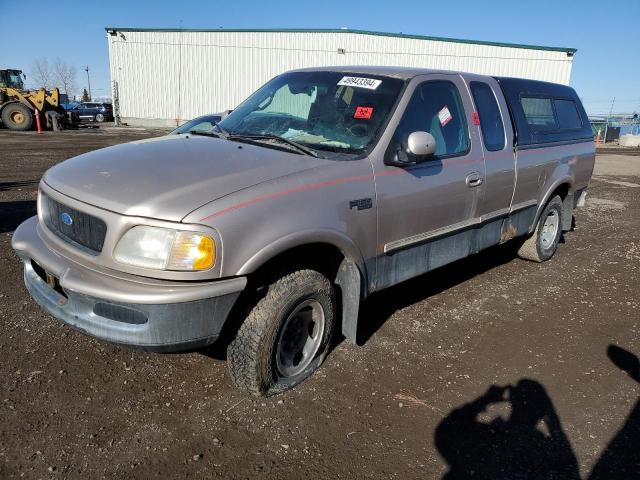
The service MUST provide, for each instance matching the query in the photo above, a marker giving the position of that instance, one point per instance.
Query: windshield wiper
(224, 133)
(221, 134)
(205, 134)
(266, 136)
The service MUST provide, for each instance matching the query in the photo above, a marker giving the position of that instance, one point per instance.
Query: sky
(607, 63)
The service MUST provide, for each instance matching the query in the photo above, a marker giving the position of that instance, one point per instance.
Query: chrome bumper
(121, 308)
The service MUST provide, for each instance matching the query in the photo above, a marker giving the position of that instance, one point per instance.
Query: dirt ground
(414, 401)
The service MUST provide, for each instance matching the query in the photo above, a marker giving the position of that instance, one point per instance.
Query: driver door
(423, 209)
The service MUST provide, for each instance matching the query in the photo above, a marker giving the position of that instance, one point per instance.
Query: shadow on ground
(13, 214)
(377, 309)
(513, 432)
(18, 184)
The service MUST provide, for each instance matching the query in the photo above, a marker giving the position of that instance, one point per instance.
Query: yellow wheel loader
(18, 106)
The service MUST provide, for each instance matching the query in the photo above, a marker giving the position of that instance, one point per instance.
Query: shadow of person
(528, 443)
(621, 458)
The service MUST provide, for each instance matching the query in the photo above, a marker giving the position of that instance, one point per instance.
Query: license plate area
(49, 279)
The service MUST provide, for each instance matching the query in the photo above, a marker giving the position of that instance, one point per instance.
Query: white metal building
(163, 77)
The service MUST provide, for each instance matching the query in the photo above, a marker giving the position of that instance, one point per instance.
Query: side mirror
(421, 144)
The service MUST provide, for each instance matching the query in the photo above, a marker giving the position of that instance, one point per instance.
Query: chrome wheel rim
(300, 338)
(550, 229)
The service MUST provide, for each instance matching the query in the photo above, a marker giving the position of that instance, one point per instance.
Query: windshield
(11, 78)
(332, 111)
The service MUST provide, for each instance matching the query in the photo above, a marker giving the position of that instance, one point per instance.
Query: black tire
(16, 116)
(253, 355)
(99, 117)
(539, 247)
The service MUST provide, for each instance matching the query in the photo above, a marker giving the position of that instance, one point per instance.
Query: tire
(99, 117)
(16, 116)
(543, 243)
(267, 357)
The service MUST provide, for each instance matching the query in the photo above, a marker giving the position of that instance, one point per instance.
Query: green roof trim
(347, 30)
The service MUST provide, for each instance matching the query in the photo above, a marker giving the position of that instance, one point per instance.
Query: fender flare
(351, 272)
(10, 102)
(566, 179)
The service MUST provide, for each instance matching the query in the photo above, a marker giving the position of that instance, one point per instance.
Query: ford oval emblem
(66, 219)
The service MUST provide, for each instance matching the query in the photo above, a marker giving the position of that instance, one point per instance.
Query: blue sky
(606, 65)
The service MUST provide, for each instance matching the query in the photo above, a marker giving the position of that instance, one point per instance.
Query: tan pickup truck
(326, 185)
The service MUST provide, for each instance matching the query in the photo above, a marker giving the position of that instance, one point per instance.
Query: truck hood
(169, 177)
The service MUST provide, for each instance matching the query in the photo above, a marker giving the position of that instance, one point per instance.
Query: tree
(85, 95)
(65, 75)
(41, 73)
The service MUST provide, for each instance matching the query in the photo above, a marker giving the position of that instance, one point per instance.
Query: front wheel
(99, 118)
(286, 336)
(541, 246)
(16, 116)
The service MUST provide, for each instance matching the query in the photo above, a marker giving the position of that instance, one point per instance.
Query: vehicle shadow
(527, 443)
(377, 309)
(18, 184)
(621, 458)
(13, 214)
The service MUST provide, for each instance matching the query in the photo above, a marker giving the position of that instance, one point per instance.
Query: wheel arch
(563, 188)
(333, 253)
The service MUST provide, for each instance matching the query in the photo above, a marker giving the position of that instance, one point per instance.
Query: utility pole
(86, 69)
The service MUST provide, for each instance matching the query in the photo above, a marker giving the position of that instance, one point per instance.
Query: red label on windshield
(363, 113)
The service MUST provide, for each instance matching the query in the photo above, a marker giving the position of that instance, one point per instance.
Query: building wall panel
(167, 77)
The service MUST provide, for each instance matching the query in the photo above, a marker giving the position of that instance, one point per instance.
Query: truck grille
(78, 228)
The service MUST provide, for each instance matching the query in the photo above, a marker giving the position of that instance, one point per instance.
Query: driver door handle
(473, 179)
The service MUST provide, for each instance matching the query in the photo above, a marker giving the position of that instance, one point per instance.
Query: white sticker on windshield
(444, 116)
(368, 83)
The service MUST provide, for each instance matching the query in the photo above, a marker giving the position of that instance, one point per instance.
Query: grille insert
(78, 228)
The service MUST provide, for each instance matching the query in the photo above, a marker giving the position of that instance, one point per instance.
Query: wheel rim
(549, 229)
(17, 117)
(300, 338)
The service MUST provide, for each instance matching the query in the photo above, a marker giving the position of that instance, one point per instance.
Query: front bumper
(121, 308)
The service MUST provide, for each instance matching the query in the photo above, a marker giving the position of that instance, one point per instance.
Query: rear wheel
(16, 116)
(286, 336)
(99, 118)
(541, 246)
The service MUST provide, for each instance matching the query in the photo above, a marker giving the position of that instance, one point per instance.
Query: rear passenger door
(496, 135)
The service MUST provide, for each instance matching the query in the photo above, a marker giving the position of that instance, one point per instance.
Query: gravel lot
(413, 402)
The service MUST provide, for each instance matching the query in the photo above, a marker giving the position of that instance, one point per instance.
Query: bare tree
(65, 75)
(41, 73)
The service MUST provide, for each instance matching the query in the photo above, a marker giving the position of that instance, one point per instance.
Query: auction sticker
(363, 113)
(444, 116)
(361, 82)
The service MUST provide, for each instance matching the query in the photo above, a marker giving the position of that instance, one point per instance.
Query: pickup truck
(324, 186)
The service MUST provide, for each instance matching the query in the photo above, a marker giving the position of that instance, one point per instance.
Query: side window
(539, 113)
(490, 118)
(436, 107)
(568, 116)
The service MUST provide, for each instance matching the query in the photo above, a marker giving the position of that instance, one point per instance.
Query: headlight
(166, 249)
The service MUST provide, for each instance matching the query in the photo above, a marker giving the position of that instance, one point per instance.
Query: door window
(436, 107)
(490, 119)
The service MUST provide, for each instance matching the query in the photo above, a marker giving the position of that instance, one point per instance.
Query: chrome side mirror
(421, 144)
